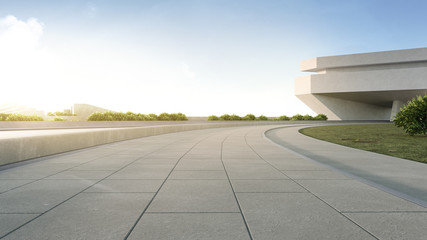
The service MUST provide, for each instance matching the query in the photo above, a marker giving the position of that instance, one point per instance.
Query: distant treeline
(251, 117)
(130, 116)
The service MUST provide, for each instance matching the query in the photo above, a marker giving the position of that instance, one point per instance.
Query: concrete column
(397, 104)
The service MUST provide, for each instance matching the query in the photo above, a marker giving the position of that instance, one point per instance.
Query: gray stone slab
(393, 225)
(9, 222)
(179, 174)
(315, 175)
(157, 161)
(28, 172)
(195, 196)
(241, 155)
(199, 165)
(352, 195)
(230, 162)
(40, 196)
(126, 186)
(258, 171)
(87, 216)
(191, 226)
(134, 171)
(266, 186)
(295, 164)
(81, 174)
(6, 185)
(206, 155)
(295, 216)
(106, 164)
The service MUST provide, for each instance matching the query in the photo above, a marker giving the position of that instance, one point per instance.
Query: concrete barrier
(19, 148)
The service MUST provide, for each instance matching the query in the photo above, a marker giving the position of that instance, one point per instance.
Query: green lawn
(381, 138)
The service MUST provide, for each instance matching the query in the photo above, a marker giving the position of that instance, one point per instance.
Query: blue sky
(197, 57)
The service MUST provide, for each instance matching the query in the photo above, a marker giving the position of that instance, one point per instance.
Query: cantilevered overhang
(364, 59)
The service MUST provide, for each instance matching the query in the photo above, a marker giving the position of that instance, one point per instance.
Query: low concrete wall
(23, 148)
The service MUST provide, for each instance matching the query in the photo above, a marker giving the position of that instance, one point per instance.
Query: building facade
(367, 86)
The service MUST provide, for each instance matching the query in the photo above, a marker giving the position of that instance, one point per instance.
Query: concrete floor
(225, 183)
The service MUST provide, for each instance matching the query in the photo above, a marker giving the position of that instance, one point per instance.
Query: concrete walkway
(224, 183)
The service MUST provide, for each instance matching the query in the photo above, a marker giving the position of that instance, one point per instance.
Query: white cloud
(19, 36)
(28, 71)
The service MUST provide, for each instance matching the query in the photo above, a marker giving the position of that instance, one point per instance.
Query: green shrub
(249, 117)
(55, 119)
(152, 117)
(283, 118)
(22, 117)
(3, 116)
(163, 117)
(178, 117)
(413, 116)
(321, 117)
(213, 118)
(262, 118)
(297, 117)
(234, 117)
(307, 117)
(225, 117)
(130, 116)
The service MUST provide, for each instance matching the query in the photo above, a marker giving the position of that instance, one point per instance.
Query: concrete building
(367, 86)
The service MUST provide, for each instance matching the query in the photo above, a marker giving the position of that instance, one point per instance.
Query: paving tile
(6, 185)
(230, 162)
(28, 172)
(178, 174)
(397, 225)
(106, 164)
(352, 195)
(195, 196)
(315, 175)
(191, 226)
(257, 171)
(295, 216)
(40, 196)
(126, 186)
(135, 171)
(157, 161)
(9, 222)
(199, 165)
(88, 216)
(82, 174)
(295, 164)
(266, 186)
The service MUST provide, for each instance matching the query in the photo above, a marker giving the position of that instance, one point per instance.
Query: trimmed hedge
(251, 117)
(19, 117)
(130, 116)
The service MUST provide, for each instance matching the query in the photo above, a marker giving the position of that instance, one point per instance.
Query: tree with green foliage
(213, 118)
(262, 118)
(283, 118)
(413, 116)
(321, 117)
(225, 117)
(297, 117)
(249, 117)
